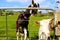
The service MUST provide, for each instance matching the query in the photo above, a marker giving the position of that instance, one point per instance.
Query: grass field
(33, 28)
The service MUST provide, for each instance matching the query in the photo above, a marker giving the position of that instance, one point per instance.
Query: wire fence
(10, 36)
(6, 31)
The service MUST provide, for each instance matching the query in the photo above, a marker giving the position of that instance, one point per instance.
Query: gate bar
(27, 8)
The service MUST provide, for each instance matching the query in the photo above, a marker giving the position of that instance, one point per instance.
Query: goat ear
(37, 22)
(56, 24)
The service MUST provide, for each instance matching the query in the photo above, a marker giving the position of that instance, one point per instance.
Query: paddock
(8, 27)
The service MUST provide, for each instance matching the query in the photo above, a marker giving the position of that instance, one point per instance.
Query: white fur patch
(25, 32)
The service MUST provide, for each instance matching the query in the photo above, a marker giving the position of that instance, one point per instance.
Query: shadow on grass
(14, 38)
(34, 38)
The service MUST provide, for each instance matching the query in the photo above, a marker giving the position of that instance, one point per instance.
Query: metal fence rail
(27, 8)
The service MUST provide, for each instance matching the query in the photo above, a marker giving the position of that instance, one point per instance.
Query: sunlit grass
(11, 23)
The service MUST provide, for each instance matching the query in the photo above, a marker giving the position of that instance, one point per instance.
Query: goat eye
(58, 22)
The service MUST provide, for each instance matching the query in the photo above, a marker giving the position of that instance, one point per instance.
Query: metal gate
(7, 30)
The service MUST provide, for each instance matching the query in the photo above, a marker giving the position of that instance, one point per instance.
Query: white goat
(44, 30)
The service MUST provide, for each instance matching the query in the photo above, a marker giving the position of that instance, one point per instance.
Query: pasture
(33, 27)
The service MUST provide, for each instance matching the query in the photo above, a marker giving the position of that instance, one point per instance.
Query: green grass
(33, 28)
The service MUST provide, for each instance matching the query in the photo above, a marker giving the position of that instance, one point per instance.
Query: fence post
(6, 27)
